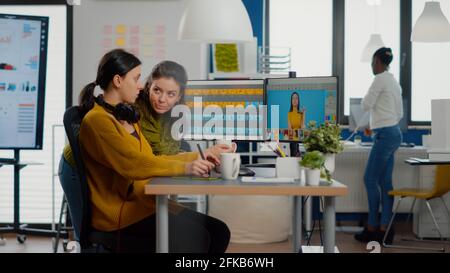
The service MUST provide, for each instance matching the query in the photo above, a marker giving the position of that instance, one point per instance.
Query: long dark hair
(298, 104)
(164, 69)
(115, 62)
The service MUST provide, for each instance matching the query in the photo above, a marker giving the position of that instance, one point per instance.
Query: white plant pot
(312, 177)
(330, 160)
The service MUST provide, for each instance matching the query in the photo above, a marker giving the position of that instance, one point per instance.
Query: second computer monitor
(299, 100)
(245, 96)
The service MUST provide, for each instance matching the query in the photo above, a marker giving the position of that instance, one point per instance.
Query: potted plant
(326, 139)
(313, 162)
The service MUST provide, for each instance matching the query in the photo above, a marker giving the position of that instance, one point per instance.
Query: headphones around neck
(121, 111)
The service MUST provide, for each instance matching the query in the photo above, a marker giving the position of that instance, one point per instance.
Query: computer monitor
(23, 57)
(235, 106)
(316, 100)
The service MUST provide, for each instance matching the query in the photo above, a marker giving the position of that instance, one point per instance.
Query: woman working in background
(119, 162)
(384, 101)
(296, 118)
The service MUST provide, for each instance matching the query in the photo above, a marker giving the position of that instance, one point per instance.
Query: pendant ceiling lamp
(375, 41)
(215, 21)
(432, 25)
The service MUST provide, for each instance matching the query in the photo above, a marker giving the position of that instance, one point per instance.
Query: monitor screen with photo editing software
(299, 101)
(245, 95)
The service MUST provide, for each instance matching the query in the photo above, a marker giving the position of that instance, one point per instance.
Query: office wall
(147, 28)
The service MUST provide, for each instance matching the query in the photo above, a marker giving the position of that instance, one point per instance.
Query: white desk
(350, 167)
(164, 186)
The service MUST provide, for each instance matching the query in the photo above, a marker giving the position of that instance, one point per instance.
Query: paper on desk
(250, 179)
(362, 118)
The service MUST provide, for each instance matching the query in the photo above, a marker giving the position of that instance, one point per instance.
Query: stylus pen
(281, 151)
(201, 153)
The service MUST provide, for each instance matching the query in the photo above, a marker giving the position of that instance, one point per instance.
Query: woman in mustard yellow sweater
(163, 90)
(119, 162)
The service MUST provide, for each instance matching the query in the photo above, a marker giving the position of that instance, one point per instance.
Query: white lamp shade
(375, 43)
(215, 21)
(373, 2)
(432, 26)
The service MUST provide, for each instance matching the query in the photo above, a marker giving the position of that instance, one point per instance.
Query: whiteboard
(146, 28)
(37, 203)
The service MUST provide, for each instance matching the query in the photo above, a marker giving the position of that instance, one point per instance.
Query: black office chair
(90, 239)
(66, 226)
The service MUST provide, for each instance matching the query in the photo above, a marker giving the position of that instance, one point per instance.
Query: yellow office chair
(440, 188)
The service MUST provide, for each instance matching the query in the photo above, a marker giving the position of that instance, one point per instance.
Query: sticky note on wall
(120, 41)
(121, 29)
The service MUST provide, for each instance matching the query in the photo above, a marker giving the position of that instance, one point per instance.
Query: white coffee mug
(230, 163)
(229, 143)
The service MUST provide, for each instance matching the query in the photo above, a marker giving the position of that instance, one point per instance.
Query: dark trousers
(189, 232)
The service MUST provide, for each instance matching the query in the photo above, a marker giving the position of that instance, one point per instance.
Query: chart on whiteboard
(20, 47)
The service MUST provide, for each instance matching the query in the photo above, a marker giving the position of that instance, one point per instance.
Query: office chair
(64, 211)
(440, 188)
(90, 239)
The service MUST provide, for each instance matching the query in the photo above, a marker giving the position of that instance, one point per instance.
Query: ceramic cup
(230, 163)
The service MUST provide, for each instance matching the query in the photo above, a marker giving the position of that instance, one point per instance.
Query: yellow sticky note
(120, 41)
(121, 29)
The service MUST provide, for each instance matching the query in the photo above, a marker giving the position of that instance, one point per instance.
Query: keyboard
(261, 165)
(366, 144)
(7, 160)
(244, 171)
(407, 145)
(403, 144)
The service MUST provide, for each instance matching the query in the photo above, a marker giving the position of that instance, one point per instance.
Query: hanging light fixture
(432, 25)
(375, 40)
(215, 21)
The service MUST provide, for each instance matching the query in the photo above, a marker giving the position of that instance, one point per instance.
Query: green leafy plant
(316, 160)
(326, 138)
(313, 160)
(325, 173)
